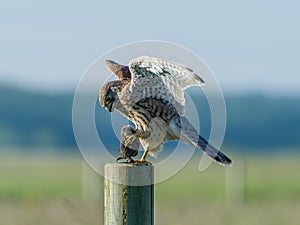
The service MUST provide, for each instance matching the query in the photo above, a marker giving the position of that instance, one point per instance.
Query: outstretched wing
(121, 71)
(150, 71)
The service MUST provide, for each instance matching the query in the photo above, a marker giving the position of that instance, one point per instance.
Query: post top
(127, 165)
(131, 174)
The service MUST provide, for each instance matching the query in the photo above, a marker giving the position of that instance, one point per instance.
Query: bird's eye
(108, 99)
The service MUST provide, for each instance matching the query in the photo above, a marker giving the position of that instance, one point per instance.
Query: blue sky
(249, 45)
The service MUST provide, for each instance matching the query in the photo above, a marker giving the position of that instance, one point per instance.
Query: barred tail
(212, 152)
(191, 135)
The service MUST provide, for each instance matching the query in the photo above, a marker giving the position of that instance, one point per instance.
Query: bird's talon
(129, 160)
(142, 162)
(117, 160)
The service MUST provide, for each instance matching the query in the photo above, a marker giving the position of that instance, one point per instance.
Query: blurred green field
(48, 189)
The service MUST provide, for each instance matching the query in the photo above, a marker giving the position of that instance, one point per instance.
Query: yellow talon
(142, 162)
(143, 159)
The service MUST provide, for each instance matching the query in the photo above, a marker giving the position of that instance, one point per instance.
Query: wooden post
(128, 194)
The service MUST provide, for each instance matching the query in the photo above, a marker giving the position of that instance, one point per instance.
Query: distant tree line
(29, 119)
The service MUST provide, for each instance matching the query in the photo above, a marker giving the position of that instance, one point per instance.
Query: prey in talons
(130, 144)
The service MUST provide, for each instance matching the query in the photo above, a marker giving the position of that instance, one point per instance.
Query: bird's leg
(131, 138)
(143, 159)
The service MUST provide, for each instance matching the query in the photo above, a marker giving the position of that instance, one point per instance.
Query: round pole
(129, 196)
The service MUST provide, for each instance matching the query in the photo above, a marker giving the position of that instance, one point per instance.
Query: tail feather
(191, 135)
(212, 152)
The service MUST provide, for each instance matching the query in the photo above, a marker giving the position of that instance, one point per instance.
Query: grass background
(50, 189)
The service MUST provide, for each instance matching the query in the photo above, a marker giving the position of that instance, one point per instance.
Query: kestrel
(150, 93)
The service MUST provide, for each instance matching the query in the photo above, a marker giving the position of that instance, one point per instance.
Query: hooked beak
(110, 107)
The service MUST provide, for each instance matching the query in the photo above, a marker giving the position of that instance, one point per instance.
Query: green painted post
(128, 194)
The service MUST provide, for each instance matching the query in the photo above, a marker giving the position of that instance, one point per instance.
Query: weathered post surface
(129, 194)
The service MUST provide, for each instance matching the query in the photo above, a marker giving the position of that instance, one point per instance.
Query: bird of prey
(150, 93)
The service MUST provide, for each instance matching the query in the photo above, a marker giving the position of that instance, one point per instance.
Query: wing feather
(151, 71)
(121, 71)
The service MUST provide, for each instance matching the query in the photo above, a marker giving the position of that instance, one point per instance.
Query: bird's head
(109, 94)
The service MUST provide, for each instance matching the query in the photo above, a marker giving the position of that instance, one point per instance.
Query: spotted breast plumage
(150, 93)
